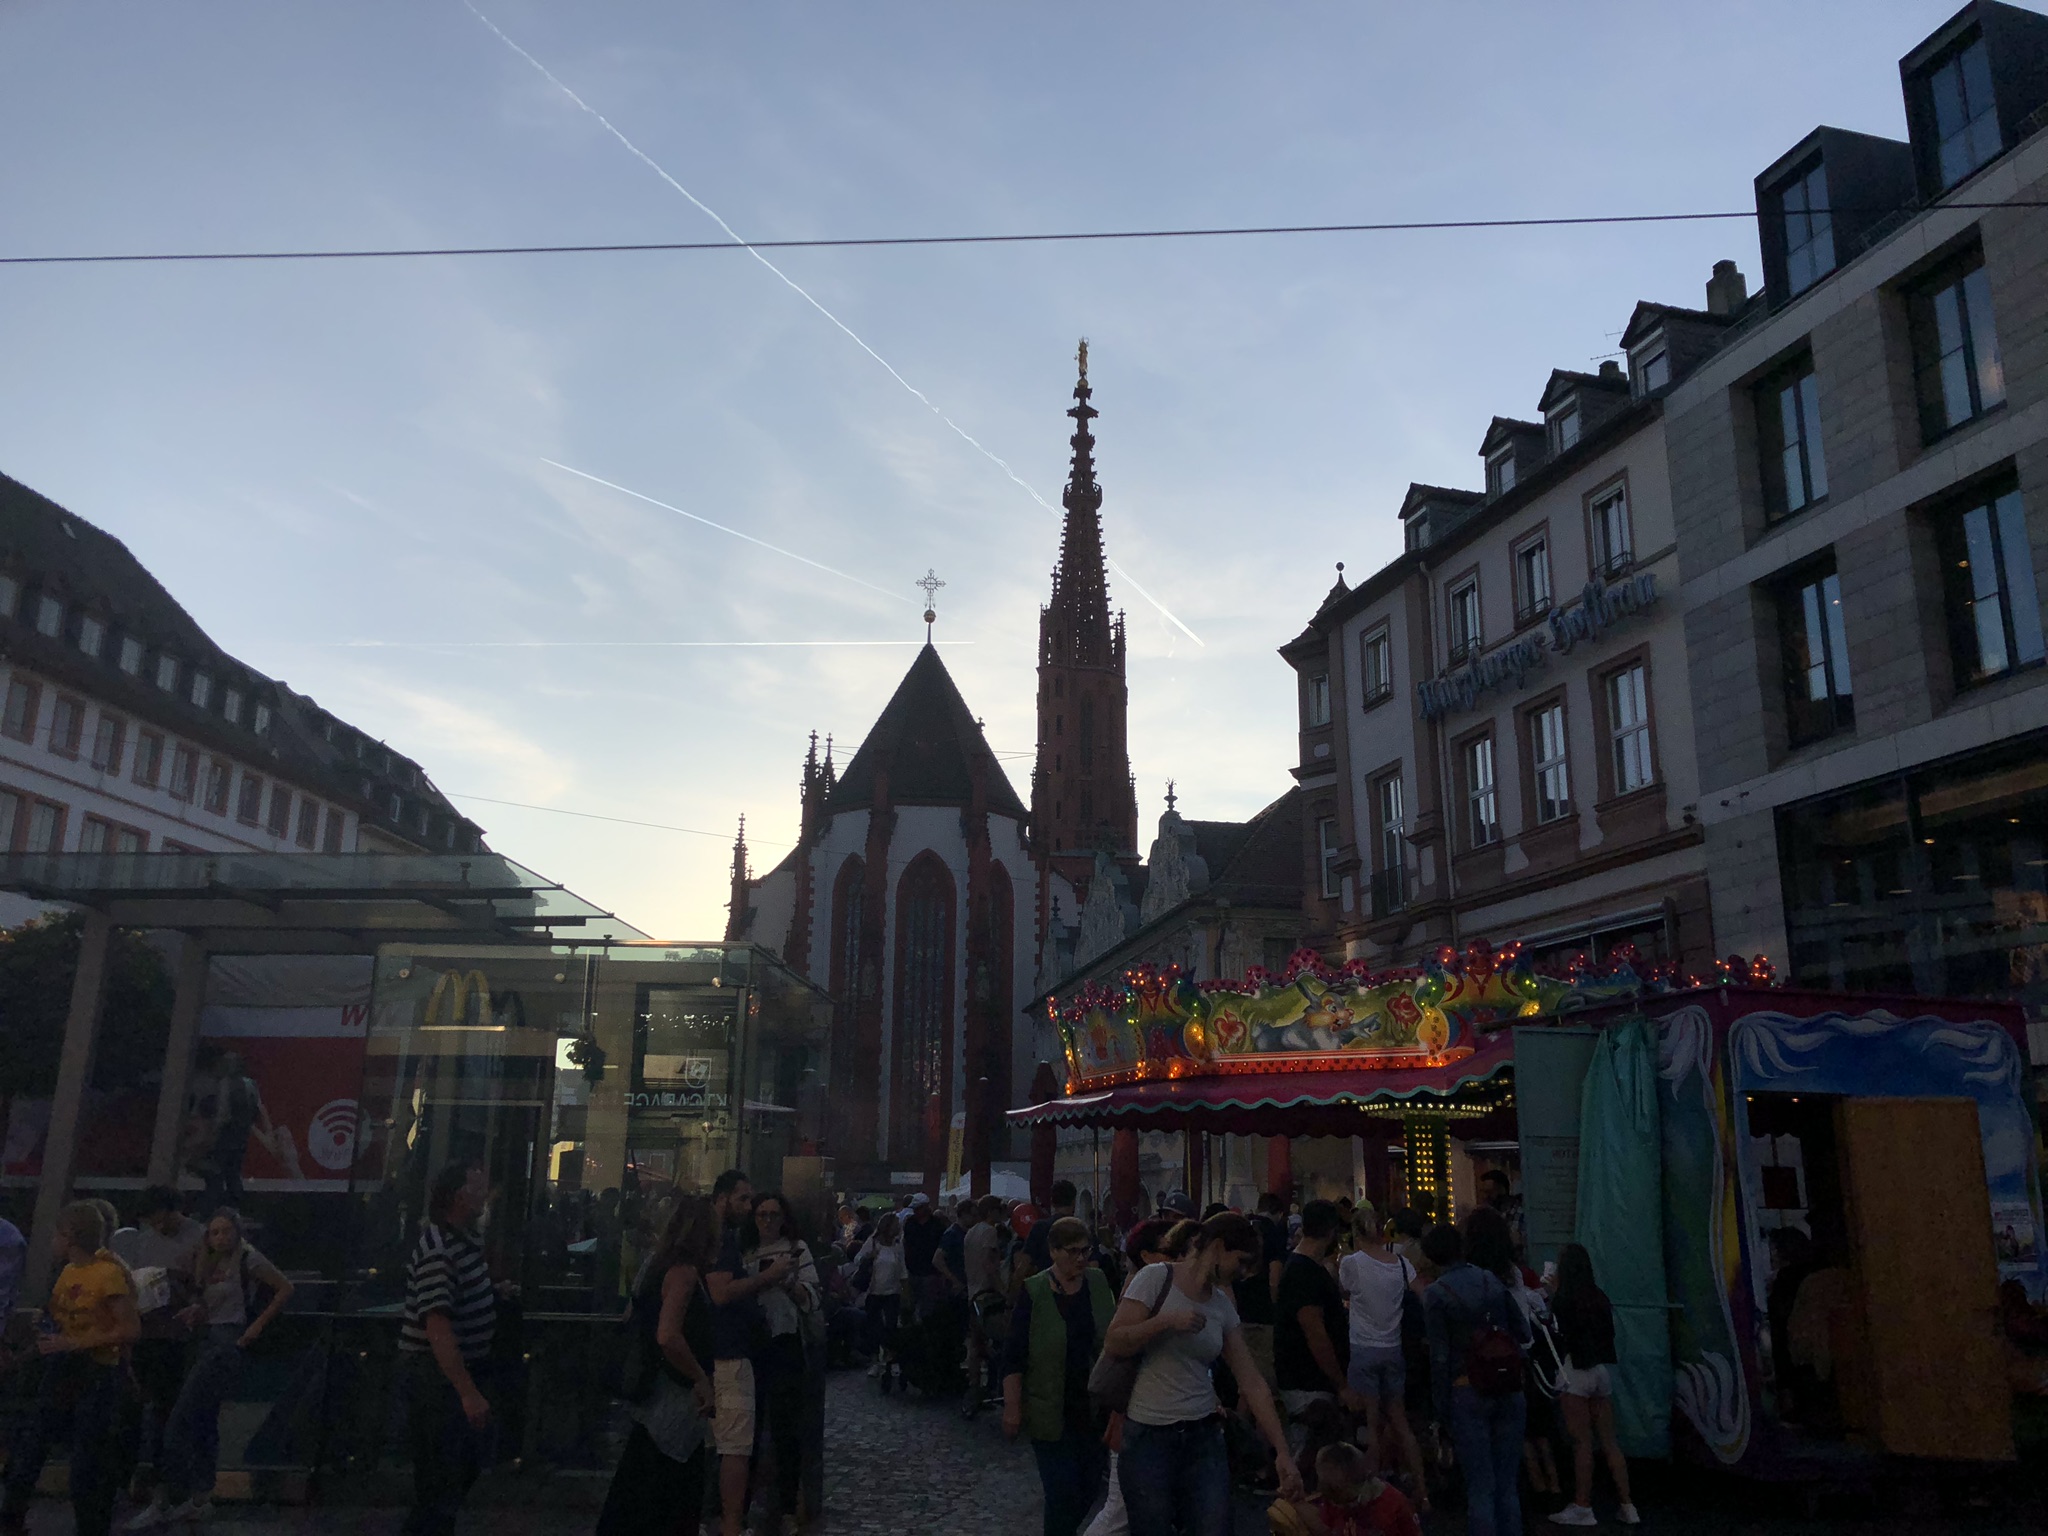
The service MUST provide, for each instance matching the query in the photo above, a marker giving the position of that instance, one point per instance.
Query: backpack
(1493, 1360)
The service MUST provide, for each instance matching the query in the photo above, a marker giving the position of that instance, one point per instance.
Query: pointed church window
(924, 998)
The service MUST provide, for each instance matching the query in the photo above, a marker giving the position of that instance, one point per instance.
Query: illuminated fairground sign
(1159, 1024)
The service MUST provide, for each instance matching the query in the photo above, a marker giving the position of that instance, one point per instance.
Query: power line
(853, 243)
(556, 810)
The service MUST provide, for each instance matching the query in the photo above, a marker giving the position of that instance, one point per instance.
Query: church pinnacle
(1077, 623)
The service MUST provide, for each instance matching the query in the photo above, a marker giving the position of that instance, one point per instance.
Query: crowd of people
(144, 1337)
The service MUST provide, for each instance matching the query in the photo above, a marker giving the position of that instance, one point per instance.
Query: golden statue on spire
(1082, 357)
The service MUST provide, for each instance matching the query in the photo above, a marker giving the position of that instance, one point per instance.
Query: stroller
(932, 1351)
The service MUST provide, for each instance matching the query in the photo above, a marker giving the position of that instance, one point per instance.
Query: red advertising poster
(307, 1065)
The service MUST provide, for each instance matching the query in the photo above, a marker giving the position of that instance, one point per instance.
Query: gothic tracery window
(849, 901)
(924, 995)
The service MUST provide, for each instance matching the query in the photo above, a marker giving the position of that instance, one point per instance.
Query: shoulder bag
(1113, 1377)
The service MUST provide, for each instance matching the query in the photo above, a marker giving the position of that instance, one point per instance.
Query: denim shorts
(1379, 1373)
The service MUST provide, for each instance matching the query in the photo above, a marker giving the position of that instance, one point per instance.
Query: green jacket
(1045, 1367)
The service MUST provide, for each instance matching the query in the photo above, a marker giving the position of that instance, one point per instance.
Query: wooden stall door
(1919, 1219)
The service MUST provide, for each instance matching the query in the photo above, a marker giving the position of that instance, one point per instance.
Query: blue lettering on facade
(1599, 608)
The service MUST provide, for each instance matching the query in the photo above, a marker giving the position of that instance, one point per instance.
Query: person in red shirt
(1350, 1500)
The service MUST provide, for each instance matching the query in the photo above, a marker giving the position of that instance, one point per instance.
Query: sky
(349, 473)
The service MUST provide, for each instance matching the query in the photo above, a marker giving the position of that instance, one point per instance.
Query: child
(1350, 1500)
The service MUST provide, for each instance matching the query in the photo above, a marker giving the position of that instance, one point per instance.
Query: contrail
(795, 287)
(1127, 576)
(693, 517)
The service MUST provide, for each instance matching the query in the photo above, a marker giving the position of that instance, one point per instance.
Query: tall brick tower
(1082, 798)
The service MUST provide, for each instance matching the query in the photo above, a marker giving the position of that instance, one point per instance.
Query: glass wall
(1934, 882)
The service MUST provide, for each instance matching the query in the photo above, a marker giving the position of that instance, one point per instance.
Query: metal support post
(178, 1053)
(67, 1104)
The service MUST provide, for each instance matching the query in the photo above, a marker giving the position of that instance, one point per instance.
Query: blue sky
(317, 455)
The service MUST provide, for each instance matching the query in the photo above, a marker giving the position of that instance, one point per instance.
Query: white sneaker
(1575, 1514)
(148, 1517)
(194, 1509)
(1628, 1515)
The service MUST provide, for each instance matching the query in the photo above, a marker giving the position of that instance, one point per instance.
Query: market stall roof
(311, 902)
(1317, 1101)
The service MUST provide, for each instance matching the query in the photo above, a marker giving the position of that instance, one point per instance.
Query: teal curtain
(1621, 1223)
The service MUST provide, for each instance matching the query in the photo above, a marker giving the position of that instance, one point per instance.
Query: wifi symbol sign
(331, 1138)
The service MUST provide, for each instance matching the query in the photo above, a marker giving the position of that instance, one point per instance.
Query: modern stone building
(1860, 496)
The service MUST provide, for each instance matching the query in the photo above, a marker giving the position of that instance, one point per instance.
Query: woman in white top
(1376, 1280)
(882, 1255)
(1173, 1468)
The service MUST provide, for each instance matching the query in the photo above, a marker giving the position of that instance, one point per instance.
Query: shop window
(1795, 471)
(1819, 699)
(1994, 609)
(1957, 372)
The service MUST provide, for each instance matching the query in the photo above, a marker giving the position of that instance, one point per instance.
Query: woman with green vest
(1056, 1332)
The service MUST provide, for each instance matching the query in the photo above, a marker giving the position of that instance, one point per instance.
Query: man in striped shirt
(451, 1312)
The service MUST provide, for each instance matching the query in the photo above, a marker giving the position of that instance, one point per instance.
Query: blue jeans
(1070, 1472)
(76, 1405)
(192, 1435)
(1487, 1432)
(1175, 1478)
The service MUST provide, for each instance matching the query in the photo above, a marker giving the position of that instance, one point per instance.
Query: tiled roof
(928, 741)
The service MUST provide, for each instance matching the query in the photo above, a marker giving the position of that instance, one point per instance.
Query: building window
(202, 690)
(1613, 545)
(93, 834)
(1653, 372)
(1319, 700)
(1532, 580)
(1809, 230)
(1376, 665)
(1819, 700)
(1957, 371)
(10, 592)
(49, 617)
(107, 738)
(330, 836)
(231, 707)
(10, 819)
(19, 721)
(249, 802)
(1326, 853)
(167, 673)
(1795, 472)
(1553, 771)
(1628, 719)
(1390, 885)
(67, 725)
(217, 776)
(92, 635)
(1500, 472)
(261, 722)
(149, 757)
(1965, 116)
(1564, 429)
(1464, 616)
(924, 998)
(1994, 612)
(280, 822)
(184, 773)
(43, 828)
(1482, 825)
(309, 823)
(131, 655)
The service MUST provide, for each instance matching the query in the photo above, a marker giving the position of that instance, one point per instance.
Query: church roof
(928, 740)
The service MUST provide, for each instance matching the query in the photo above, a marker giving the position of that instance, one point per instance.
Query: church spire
(1077, 625)
(740, 907)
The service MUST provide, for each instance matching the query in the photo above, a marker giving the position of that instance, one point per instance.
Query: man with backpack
(1476, 1338)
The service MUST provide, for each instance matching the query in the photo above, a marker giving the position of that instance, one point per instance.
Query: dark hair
(728, 1181)
(991, 1207)
(1442, 1246)
(1488, 1243)
(1575, 1272)
(1229, 1230)
(1405, 1221)
(1180, 1237)
(1063, 1192)
(155, 1200)
(447, 1185)
(1497, 1176)
(1146, 1237)
(883, 1232)
(691, 1237)
(789, 1228)
(1320, 1219)
(1271, 1204)
(1214, 1208)
(1791, 1245)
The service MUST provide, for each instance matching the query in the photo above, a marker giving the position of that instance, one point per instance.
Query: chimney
(1610, 372)
(1727, 289)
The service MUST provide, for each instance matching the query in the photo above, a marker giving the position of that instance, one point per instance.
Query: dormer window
(1500, 472)
(1809, 229)
(1652, 370)
(167, 673)
(92, 634)
(1965, 116)
(10, 590)
(262, 723)
(202, 690)
(231, 707)
(131, 656)
(49, 617)
(1564, 428)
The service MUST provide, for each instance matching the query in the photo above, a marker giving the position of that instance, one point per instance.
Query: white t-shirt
(1174, 1384)
(982, 1253)
(1373, 1288)
(886, 1279)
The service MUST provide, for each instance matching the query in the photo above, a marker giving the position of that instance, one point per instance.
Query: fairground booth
(1669, 1124)
(395, 1012)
